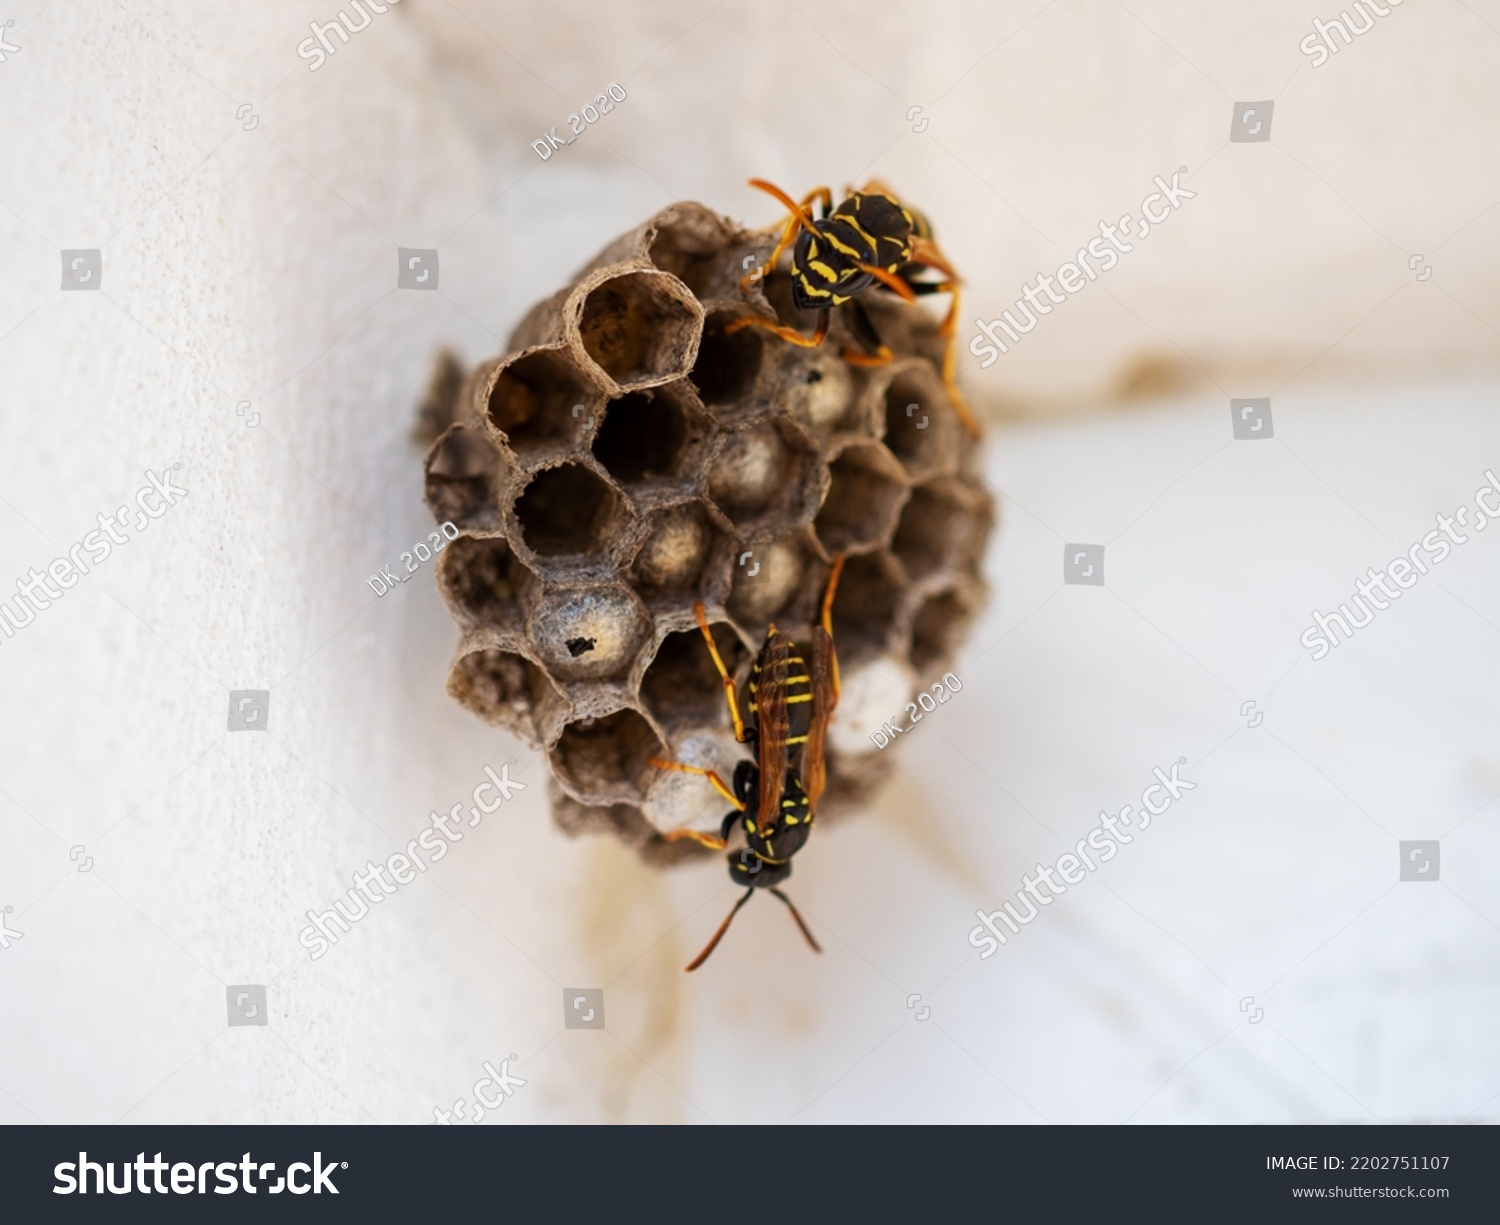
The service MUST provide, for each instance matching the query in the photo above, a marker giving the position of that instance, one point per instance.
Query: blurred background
(1254, 957)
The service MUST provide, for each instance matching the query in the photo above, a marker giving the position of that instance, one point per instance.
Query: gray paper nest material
(627, 457)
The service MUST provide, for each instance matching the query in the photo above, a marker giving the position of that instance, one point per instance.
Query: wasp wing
(773, 729)
(814, 768)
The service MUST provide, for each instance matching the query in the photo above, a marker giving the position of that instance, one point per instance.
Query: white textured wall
(259, 265)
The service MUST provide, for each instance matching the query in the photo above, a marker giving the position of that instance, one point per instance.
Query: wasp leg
(730, 695)
(833, 584)
(662, 764)
(926, 254)
(865, 330)
(800, 216)
(816, 947)
(791, 335)
(719, 935)
(711, 841)
(949, 332)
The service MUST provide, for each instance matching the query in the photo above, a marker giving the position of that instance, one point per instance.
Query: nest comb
(628, 456)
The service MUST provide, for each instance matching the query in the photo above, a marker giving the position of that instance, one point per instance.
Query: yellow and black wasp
(775, 797)
(871, 238)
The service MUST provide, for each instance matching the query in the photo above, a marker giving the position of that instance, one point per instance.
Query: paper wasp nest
(627, 457)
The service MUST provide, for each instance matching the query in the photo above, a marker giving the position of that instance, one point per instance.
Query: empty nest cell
(569, 513)
(650, 437)
(865, 493)
(866, 606)
(691, 243)
(921, 426)
(640, 328)
(942, 527)
(607, 759)
(459, 484)
(541, 403)
(503, 687)
(729, 363)
(681, 687)
(482, 581)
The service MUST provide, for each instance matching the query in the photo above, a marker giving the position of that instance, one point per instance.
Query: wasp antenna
(890, 280)
(816, 947)
(724, 927)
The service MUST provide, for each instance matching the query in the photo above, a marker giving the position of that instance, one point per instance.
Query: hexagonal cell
(651, 438)
(482, 581)
(779, 580)
(681, 687)
(938, 628)
(767, 478)
(866, 606)
(943, 526)
(865, 494)
(504, 687)
(692, 243)
(605, 759)
(568, 513)
(541, 403)
(682, 549)
(729, 364)
(460, 481)
(640, 328)
(922, 427)
(816, 386)
(589, 633)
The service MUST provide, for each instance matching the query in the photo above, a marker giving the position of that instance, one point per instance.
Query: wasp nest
(630, 455)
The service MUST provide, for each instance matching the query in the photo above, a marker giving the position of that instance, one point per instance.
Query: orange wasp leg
(925, 253)
(788, 334)
(833, 583)
(800, 217)
(730, 695)
(662, 764)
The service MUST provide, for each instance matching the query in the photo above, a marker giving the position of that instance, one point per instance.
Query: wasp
(870, 239)
(775, 796)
